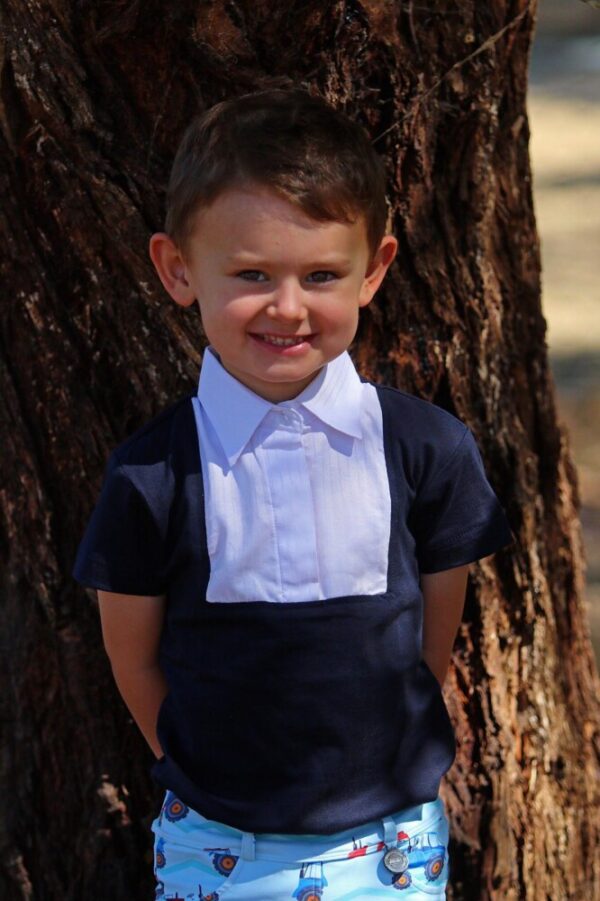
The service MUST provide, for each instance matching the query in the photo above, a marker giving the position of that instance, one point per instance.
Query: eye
(322, 275)
(250, 275)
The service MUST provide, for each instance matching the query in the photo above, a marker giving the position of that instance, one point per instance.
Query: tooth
(282, 342)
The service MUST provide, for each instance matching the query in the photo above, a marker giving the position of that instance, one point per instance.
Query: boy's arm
(131, 630)
(444, 599)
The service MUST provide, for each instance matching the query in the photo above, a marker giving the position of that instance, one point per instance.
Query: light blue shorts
(196, 859)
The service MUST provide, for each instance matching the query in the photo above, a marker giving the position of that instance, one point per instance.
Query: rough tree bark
(94, 98)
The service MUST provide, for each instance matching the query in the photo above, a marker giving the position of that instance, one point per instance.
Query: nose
(287, 302)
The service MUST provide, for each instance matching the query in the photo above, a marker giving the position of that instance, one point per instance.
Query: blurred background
(564, 117)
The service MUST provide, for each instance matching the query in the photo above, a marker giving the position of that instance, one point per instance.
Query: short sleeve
(121, 549)
(456, 516)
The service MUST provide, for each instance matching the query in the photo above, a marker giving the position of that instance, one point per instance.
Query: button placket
(291, 502)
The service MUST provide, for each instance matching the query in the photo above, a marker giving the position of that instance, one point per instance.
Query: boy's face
(279, 293)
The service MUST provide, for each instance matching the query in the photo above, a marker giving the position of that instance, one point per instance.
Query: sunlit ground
(564, 114)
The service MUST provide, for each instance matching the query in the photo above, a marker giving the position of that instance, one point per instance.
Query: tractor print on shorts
(423, 851)
(311, 883)
(160, 857)
(191, 897)
(223, 861)
(360, 850)
(173, 808)
(212, 896)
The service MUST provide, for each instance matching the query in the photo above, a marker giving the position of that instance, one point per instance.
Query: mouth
(281, 340)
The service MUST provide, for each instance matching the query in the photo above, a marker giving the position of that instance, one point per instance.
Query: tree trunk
(94, 99)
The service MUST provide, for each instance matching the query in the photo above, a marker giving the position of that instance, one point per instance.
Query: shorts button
(395, 860)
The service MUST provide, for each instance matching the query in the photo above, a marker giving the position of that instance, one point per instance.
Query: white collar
(235, 411)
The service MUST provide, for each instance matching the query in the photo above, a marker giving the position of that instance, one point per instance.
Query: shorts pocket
(428, 865)
(191, 862)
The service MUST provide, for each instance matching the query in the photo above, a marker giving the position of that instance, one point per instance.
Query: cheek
(344, 315)
(225, 314)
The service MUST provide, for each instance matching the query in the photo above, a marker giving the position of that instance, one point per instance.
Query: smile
(281, 341)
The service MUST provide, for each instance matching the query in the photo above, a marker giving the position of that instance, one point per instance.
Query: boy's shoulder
(159, 438)
(419, 425)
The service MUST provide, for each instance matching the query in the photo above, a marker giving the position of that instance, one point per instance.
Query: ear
(377, 268)
(171, 268)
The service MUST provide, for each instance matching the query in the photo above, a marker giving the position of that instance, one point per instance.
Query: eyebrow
(250, 259)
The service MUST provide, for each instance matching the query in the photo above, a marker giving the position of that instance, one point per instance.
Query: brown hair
(285, 139)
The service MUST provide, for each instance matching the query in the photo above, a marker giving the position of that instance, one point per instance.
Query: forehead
(255, 218)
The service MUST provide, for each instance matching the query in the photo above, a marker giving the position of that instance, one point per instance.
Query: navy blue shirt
(309, 717)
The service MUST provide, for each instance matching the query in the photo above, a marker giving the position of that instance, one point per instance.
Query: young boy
(281, 559)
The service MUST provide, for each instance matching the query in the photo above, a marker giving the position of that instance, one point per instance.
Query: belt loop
(416, 813)
(390, 832)
(248, 849)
